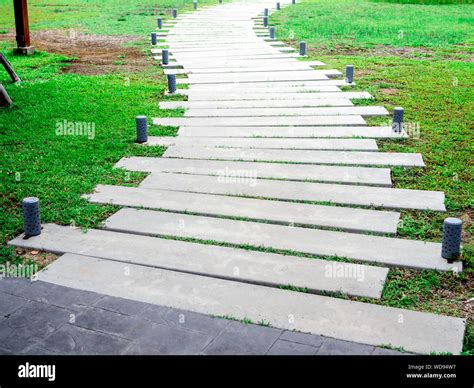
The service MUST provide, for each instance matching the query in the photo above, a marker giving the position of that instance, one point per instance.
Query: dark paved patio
(43, 318)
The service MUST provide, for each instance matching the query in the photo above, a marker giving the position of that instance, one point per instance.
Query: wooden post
(22, 28)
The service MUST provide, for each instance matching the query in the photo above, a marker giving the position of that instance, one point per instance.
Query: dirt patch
(42, 259)
(389, 91)
(93, 54)
(421, 53)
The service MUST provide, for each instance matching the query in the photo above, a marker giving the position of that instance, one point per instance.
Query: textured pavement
(38, 318)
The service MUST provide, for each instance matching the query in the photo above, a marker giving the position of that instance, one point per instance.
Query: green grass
(363, 24)
(418, 57)
(103, 17)
(58, 169)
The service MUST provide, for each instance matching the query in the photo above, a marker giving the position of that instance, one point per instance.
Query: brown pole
(22, 28)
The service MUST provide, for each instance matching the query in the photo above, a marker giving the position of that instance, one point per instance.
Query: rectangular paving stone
(71, 339)
(298, 156)
(242, 339)
(266, 143)
(283, 212)
(292, 132)
(290, 111)
(238, 55)
(186, 320)
(238, 264)
(240, 70)
(35, 320)
(346, 174)
(338, 318)
(302, 338)
(109, 322)
(266, 86)
(13, 285)
(163, 339)
(263, 121)
(334, 347)
(198, 49)
(239, 76)
(269, 53)
(10, 303)
(299, 191)
(121, 306)
(59, 296)
(244, 78)
(384, 250)
(279, 103)
(286, 348)
(232, 99)
(280, 92)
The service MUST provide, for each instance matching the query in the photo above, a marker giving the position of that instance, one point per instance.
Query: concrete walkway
(46, 319)
(271, 154)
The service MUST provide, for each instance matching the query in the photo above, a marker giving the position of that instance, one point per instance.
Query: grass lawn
(104, 91)
(94, 67)
(419, 57)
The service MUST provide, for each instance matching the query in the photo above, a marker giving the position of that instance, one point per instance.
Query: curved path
(271, 153)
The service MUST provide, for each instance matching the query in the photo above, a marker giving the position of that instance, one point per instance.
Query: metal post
(171, 83)
(159, 23)
(349, 74)
(278, 6)
(5, 99)
(397, 123)
(302, 48)
(153, 38)
(451, 247)
(195, 5)
(265, 12)
(293, 1)
(175, 13)
(272, 32)
(142, 129)
(31, 216)
(265, 21)
(165, 57)
(22, 28)
(9, 69)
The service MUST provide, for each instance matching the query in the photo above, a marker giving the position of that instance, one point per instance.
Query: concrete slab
(298, 156)
(226, 263)
(332, 174)
(224, 100)
(267, 86)
(292, 132)
(199, 79)
(295, 67)
(290, 111)
(300, 191)
(250, 121)
(266, 143)
(309, 74)
(270, 53)
(373, 249)
(266, 103)
(358, 220)
(239, 93)
(245, 65)
(369, 324)
(261, 47)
